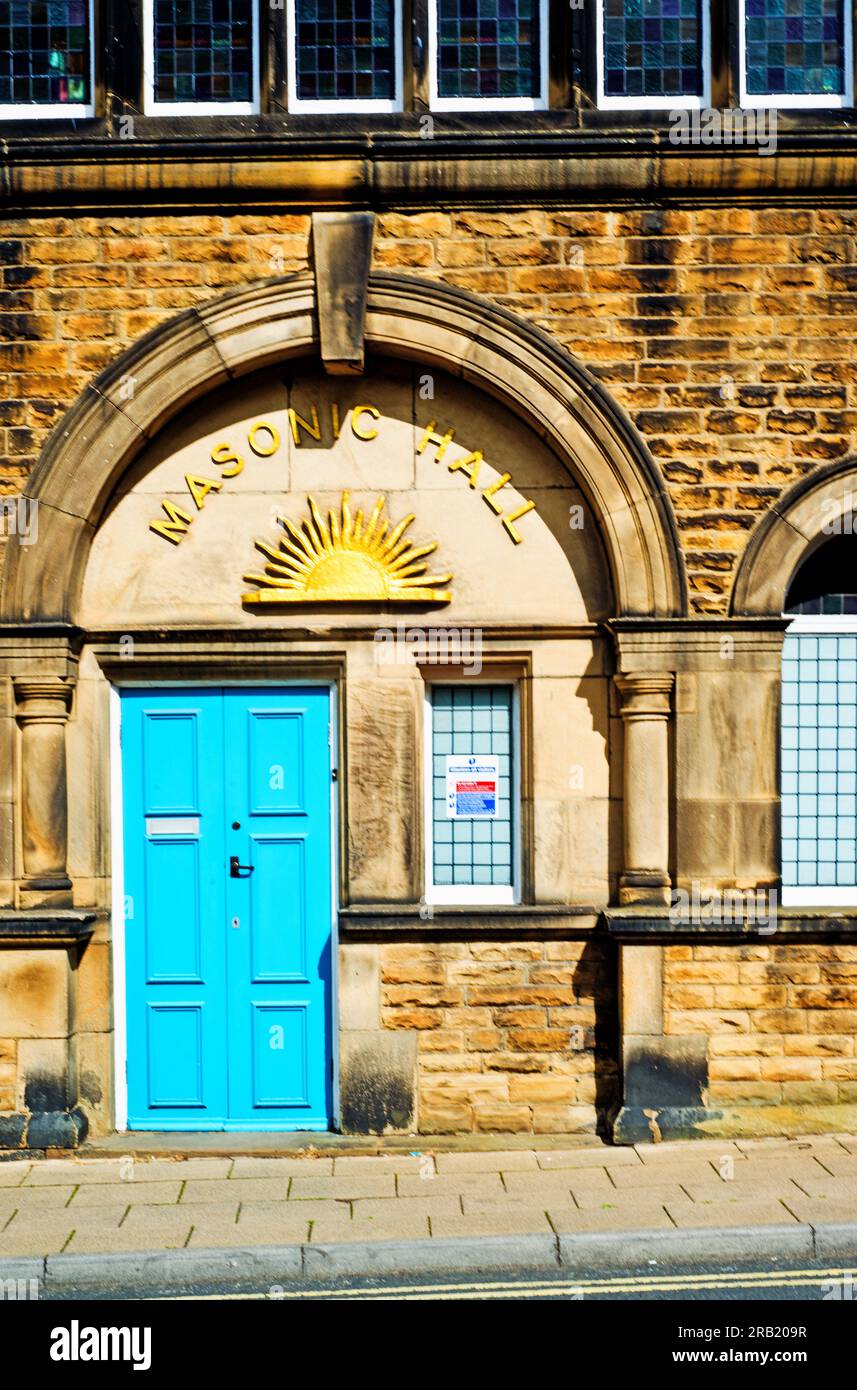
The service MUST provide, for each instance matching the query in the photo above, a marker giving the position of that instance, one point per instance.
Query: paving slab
(164, 1218)
(31, 1242)
(588, 1158)
(360, 1185)
(348, 1166)
(627, 1199)
(36, 1196)
(839, 1166)
(128, 1169)
(742, 1214)
(686, 1148)
(106, 1218)
(452, 1184)
(841, 1189)
(111, 1242)
(521, 1221)
(93, 1194)
(412, 1206)
(745, 1190)
(250, 1233)
(820, 1211)
(13, 1174)
(592, 1179)
(566, 1220)
(306, 1209)
(650, 1175)
(801, 1174)
(222, 1190)
(280, 1167)
(516, 1160)
(329, 1230)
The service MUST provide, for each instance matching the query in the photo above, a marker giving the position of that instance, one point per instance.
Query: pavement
(78, 1224)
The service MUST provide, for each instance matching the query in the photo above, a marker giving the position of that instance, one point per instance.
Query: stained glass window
(345, 50)
(44, 53)
(488, 49)
(472, 719)
(652, 48)
(203, 50)
(794, 47)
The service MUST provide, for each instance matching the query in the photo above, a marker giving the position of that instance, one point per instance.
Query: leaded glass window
(818, 740)
(345, 50)
(652, 49)
(794, 47)
(819, 760)
(45, 53)
(474, 848)
(489, 50)
(202, 52)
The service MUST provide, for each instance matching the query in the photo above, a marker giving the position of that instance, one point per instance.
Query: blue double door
(228, 893)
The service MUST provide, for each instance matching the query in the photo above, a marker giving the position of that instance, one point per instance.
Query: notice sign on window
(471, 787)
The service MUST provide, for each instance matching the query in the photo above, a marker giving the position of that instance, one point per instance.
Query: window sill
(495, 919)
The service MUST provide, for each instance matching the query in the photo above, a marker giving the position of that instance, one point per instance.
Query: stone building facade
(611, 382)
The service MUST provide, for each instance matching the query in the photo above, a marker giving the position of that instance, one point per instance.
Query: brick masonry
(516, 1037)
(727, 334)
(780, 1020)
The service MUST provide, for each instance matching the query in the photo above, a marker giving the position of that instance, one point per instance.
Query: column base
(45, 1129)
(650, 886)
(47, 891)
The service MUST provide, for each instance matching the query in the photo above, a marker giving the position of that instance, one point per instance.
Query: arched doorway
(544, 517)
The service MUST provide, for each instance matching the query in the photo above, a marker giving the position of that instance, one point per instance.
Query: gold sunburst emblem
(347, 559)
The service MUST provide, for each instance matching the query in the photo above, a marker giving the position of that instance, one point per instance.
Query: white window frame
(677, 102)
(825, 894)
(151, 107)
(471, 894)
(439, 103)
(785, 100)
(333, 105)
(54, 111)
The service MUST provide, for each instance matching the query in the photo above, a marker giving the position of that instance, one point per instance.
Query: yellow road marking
(561, 1287)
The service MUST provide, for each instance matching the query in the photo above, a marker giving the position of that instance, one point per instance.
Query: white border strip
(678, 102)
(439, 103)
(332, 106)
(820, 895)
(457, 894)
(151, 107)
(785, 100)
(117, 916)
(117, 925)
(34, 111)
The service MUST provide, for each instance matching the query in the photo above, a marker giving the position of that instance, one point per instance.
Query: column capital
(42, 699)
(645, 694)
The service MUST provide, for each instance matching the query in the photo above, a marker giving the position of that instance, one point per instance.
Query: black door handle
(237, 870)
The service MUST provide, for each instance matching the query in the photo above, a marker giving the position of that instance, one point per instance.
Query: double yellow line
(567, 1288)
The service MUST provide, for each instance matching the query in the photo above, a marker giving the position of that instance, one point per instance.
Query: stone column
(42, 711)
(645, 700)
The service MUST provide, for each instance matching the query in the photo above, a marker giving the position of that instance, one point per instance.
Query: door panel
(279, 960)
(229, 977)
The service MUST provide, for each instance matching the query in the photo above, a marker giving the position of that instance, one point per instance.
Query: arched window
(819, 729)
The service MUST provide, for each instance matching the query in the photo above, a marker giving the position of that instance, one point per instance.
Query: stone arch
(788, 534)
(277, 320)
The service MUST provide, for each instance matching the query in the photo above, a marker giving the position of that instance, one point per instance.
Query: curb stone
(137, 1272)
(607, 1249)
(460, 1254)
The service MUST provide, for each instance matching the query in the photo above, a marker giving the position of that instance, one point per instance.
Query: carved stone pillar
(43, 704)
(645, 700)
